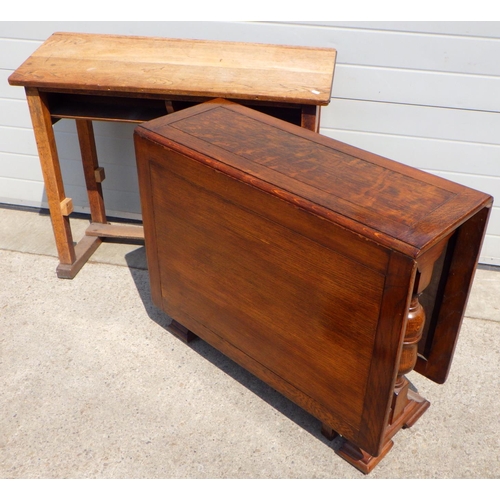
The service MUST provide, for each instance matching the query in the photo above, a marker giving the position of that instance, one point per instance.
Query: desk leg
(71, 257)
(310, 116)
(59, 206)
(328, 432)
(94, 175)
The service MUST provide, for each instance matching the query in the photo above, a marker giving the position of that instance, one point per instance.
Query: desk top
(163, 66)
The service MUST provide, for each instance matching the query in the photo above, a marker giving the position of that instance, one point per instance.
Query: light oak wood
(49, 160)
(92, 171)
(67, 206)
(99, 174)
(83, 251)
(164, 66)
(134, 79)
(116, 231)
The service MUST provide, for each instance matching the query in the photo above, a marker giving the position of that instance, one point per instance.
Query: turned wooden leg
(181, 332)
(407, 406)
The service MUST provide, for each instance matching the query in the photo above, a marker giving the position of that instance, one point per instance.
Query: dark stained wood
(303, 259)
(406, 406)
(328, 432)
(224, 254)
(359, 458)
(181, 332)
(436, 355)
(365, 193)
(145, 191)
(386, 354)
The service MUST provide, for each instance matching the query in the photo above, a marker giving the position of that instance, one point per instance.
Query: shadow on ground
(222, 362)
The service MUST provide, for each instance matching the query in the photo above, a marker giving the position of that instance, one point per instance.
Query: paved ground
(93, 385)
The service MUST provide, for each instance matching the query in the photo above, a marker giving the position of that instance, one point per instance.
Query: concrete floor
(94, 386)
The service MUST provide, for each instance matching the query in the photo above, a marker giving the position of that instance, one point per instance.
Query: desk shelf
(139, 110)
(101, 108)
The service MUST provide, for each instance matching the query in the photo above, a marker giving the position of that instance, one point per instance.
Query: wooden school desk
(134, 79)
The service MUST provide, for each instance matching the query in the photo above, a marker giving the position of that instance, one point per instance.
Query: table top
(163, 66)
(390, 203)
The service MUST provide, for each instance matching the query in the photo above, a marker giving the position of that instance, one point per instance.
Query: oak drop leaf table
(134, 79)
(325, 270)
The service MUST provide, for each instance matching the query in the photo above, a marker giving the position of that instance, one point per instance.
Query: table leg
(407, 406)
(71, 257)
(98, 229)
(181, 332)
(310, 116)
(94, 175)
(60, 207)
(328, 432)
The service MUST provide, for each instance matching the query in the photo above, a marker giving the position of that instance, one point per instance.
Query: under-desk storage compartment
(303, 259)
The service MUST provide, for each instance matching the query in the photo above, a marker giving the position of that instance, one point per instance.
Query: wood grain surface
(165, 66)
(392, 204)
(298, 257)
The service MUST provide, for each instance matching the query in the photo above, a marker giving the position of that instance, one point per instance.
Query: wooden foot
(94, 236)
(181, 332)
(415, 407)
(83, 250)
(407, 406)
(359, 458)
(328, 432)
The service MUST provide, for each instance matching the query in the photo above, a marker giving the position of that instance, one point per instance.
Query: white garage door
(423, 93)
